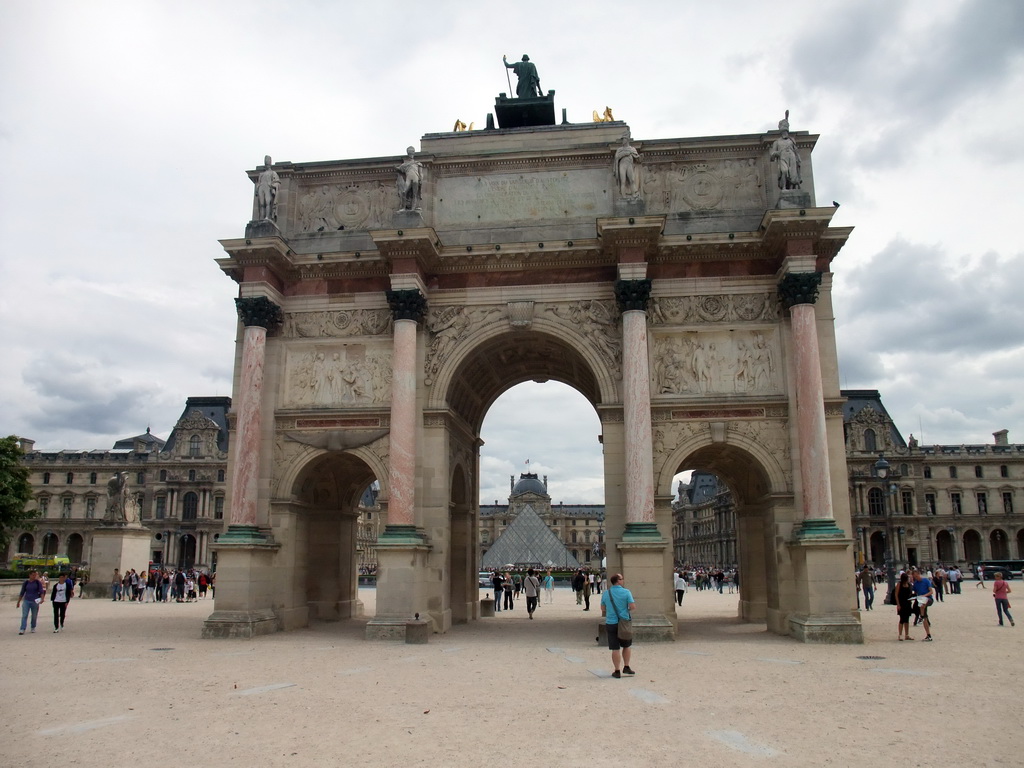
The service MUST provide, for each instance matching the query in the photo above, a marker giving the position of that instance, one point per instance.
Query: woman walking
(1001, 591)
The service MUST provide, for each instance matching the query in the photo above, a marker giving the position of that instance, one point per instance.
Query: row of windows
(876, 502)
(140, 477)
(979, 471)
(189, 507)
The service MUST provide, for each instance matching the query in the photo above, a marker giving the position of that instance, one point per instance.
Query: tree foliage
(15, 491)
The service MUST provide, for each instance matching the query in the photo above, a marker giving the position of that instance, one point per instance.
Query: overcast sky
(126, 128)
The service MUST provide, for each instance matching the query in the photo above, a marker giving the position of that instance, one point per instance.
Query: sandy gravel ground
(133, 685)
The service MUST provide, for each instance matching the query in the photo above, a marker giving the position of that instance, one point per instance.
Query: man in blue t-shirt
(617, 602)
(925, 596)
(32, 594)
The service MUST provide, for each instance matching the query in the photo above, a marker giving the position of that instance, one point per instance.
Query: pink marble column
(799, 292)
(408, 307)
(402, 457)
(247, 427)
(632, 297)
(257, 314)
(637, 418)
(810, 401)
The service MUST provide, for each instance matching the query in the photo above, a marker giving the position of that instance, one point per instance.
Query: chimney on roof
(27, 446)
(511, 482)
(1002, 437)
(545, 482)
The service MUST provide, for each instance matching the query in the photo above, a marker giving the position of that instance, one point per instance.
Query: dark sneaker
(616, 674)
(928, 638)
(628, 671)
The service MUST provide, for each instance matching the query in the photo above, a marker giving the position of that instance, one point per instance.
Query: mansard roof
(213, 409)
(151, 441)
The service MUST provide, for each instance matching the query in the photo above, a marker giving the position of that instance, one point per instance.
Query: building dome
(528, 483)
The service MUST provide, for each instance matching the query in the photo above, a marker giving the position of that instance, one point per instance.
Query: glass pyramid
(528, 542)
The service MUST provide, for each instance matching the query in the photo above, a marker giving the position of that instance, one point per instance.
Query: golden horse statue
(608, 117)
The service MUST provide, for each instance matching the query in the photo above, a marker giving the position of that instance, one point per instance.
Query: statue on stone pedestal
(410, 182)
(784, 150)
(117, 498)
(528, 85)
(267, 186)
(625, 170)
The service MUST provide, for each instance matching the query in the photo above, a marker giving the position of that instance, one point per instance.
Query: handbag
(625, 631)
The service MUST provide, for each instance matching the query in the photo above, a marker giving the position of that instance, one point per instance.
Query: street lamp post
(882, 472)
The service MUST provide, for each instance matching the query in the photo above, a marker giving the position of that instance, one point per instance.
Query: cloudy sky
(126, 128)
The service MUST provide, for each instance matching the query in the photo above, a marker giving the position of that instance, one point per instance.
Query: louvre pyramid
(528, 542)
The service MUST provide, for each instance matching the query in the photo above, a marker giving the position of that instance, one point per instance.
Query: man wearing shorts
(616, 602)
(925, 595)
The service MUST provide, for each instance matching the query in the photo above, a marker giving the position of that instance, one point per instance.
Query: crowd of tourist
(182, 585)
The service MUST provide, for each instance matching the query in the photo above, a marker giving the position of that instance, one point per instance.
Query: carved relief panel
(447, 327)
(723, 362)
(330, 207)
(704, 186)
(350, 322)
(336, 375)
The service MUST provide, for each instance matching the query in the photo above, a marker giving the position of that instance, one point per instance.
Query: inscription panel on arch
(517, 197)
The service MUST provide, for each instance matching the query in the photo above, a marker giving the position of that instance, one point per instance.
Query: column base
(243, 535)
(819, 528)
(401, 535)
(642, 533)
(239, 624)
(832, 629)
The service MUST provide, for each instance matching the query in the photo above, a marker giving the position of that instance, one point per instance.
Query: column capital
(632, 294)
(259, 311)
(799, 288)
(407, 305)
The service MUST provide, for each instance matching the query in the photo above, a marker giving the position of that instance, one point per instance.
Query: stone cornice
(420, 244)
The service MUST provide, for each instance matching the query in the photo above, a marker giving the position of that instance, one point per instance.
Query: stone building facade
(939, 503)
(178, 486)
(704, 523)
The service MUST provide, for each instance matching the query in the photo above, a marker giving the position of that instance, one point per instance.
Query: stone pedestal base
(262, 228)
(402, 587)
(407, 220)
(245, 590)
(486, 608)
(633, 206)
(793, 198)
(119, 545)
(646, 563)
(839, 628)
(824, 610)
(417, 632)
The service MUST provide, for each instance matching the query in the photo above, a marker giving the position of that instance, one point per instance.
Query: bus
(23, 562)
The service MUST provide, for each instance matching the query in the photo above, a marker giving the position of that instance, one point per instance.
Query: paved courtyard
(133, 685)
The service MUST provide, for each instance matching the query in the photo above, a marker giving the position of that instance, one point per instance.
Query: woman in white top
(680, 585)
(59, 598)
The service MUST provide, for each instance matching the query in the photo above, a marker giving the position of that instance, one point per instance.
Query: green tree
(15, 491)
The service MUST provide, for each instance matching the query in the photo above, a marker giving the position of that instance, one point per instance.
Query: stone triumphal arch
(691, 306)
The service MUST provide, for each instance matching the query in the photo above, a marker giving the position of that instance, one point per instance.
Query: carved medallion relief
(725, 362)
(739, 307)
(337, 376)
(351, 322)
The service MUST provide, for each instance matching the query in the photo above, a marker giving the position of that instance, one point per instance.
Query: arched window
(876, 502)
(195, 446)
(50, 544)
(869, 441)
(189, 506)
(27, 543)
